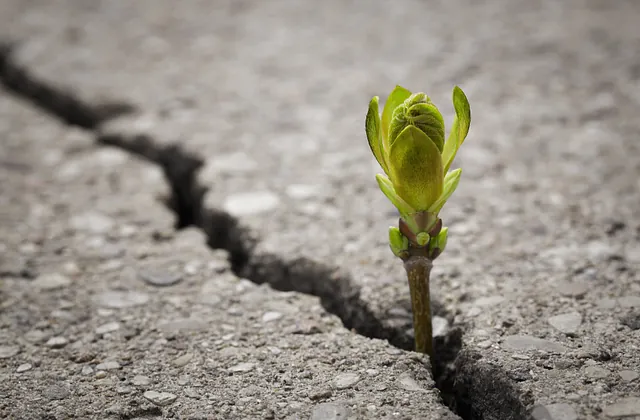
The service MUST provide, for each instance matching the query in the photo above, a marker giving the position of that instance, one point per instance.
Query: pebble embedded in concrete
(115, 299)
(242, 367)
(408, 383)
(251, 203)
(623, 408)
(141, 380)
(525, 342)
(51, 281)
(567, 323)
(23, 367)
(346, 380)
(108, 328)
(109, 365)
(160, 398)
(271, 316)
(558, 411)
(57, 342)
(628, 375)
(160, 278)
(330, 411)
(8, 351)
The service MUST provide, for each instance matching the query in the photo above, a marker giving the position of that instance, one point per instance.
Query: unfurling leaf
(415, 168)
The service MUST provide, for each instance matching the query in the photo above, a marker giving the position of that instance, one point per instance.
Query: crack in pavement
(471, 390)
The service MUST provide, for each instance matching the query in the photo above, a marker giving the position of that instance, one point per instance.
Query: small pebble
(576, 289)
(107, 328)
(140, 380)
(251, 203)
(57, 342)
(160, 278)
(87, 370)
(560, 411)
(119, 299)
(23, 367)
(8, 351)
(242, 367)
(182, 360)
(271, 316)
(330, 411)
(110, 365)
(346, 380)
(623, 408)
(408, 383)
(160, 398)
(101, 374)
(628, 375)
(525, 342)
(567, 323)
(51, 281)
(596, 372)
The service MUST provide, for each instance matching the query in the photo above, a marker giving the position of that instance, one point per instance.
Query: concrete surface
(255, 112)
(109, 313)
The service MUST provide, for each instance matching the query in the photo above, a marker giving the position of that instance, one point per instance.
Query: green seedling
(408, 140)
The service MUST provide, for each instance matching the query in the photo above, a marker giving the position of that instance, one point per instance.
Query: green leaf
(440, 241)
(450, 185)
(387, 188)
(372, 127)
(415, 168)
(424, 115)
(398, 242)
(459, 129)
(397, 96)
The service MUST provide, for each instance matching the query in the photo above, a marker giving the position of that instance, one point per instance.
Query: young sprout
(408, 140)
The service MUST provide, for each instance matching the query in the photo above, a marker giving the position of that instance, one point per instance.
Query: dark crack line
(473, 389)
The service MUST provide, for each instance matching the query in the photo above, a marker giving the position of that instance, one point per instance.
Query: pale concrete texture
(109, 313)
(255, 112)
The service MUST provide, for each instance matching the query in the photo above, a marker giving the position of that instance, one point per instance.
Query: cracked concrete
(256, 120)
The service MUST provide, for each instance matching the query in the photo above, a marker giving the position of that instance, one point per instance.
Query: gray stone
(23, 367)
(251, 203)
(57, 342)
(596, 372)
(346, 380)
(115, 299)
(567, 323)
(108, 328)
(575, 289)
(51, 281)
(525, 342)
(92, 221)
(160, 278)
(108, 365)
(8, 351)
(242, 367)
(182, 360)
(160, 398)
(629, 301)
(56, 392)
(87, 370)
(331, 411)
(183, 324)
(408, 383)
(628, 375)
(559, 411)
(625, 407)
(141, 380)
(440, 326)
(271, 316)
(489, 301)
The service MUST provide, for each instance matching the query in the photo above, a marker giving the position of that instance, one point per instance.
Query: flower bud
(419, 111)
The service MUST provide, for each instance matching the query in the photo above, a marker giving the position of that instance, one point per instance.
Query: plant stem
(418, 270)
